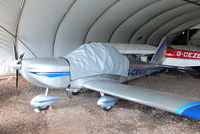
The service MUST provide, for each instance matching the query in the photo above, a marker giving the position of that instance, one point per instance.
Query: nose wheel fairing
(42, 100)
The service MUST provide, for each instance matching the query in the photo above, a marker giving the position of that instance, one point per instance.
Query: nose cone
(15, 65)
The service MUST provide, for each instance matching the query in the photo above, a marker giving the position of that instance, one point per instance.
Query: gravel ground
(80, 114)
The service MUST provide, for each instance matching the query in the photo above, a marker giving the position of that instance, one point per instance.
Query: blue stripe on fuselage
(52, 74)
(142, 71)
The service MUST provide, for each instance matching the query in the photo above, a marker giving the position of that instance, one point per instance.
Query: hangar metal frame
(61, 26)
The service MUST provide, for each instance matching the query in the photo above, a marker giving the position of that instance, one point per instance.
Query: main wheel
(107, 108)
(43, 108)
(75, 93)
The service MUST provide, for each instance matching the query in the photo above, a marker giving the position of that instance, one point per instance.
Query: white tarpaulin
(53, 28)
(97, 58)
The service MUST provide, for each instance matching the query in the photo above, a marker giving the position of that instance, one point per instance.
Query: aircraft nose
(15, 65)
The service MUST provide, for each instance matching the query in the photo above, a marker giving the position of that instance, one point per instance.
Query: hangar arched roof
(45, 28)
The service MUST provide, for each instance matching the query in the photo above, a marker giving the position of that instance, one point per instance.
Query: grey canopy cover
(97, 58)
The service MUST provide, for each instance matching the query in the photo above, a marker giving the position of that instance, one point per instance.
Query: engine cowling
(46, 72)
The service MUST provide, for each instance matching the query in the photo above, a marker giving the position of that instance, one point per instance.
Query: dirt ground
(80, 114)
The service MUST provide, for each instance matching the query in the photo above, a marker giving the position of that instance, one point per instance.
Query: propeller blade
(17, 81)
(21, 56)
(15, 52)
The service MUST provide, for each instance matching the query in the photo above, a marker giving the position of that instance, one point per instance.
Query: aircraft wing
(125, 48)
(161, 100)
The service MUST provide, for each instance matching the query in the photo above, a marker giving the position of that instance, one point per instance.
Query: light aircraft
(64, 72)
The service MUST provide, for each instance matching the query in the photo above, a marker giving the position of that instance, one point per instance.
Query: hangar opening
(52, 29)
(45, 40)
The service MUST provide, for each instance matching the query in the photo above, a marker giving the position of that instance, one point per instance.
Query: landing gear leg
(72, 91)
(47, 90)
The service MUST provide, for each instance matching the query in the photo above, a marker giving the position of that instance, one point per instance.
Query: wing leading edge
(176, 104)
(125, 48)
